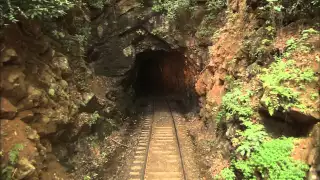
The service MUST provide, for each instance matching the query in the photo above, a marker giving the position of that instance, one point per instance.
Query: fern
(226, 174)
(251, 138)
(7, 171)
(273, 161)
(276, 79)
(14, 153)
(307, 75)
(171, 7)
(235, 104)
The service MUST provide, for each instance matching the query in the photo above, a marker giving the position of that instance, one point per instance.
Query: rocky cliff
(68, 83)
(252, 79)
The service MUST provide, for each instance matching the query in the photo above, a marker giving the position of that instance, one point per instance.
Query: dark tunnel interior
(159, 73)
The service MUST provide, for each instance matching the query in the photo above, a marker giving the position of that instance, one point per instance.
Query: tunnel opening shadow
(159, 73)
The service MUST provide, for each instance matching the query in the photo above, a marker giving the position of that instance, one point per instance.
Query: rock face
(25, 169)
(237, 55)
(7, 110)
(48, 85)
(135, 28)
(39, 93)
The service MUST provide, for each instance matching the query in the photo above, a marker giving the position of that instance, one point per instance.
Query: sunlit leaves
(34, 9)
(171, 7)
(272, 160)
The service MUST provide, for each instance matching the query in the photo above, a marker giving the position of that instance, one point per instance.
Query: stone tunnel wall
(128, 28)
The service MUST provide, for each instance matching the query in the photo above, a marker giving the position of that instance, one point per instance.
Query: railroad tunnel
(159, 73)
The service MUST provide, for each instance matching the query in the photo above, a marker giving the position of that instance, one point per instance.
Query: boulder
(8, 55)
(24, 169)
(45, 129)
(61, 63)
(87, 97)
(7, 110)
(32, 134)
(299, 116)
(12, 77)
(294, 115)
(26, 115)
(125, 5)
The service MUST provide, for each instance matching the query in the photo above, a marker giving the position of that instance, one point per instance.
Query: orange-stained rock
(200, 88)
(7, 110)
(204, 83)
(215, 94)
(302, 149)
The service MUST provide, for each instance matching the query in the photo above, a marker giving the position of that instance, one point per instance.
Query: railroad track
(158, 155)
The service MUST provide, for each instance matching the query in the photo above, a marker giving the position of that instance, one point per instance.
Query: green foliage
(273, 6)
(277, 95)
(226, 174)
(250, 139)
(266, 42)
(291, 44)
(272, 160)
(281, 75)
(314, 96)
(270, 29)
(260, 156)
(235, 105)
(300, 44)
(307, 75)
(206, 30)
(99, 4)
(75, 43)
(216, 6)
(172, 8)
(34, 9)
(94, 118)
(6, 172)
(306, 33)
(302, 8)
(14, 153)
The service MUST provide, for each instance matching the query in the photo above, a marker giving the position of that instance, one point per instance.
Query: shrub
(300, 8)
(33, 9)
(226, 174)
(14, 153)
(250, 139)
(94, 118)
(282, 75)
(235, 104)
(98, 4)
(7, 172)
(171, 7)
(216, 6)
(273, 161)
(270, 159)
(277, 95)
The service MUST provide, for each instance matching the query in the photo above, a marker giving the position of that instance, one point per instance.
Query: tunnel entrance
(159, 73)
